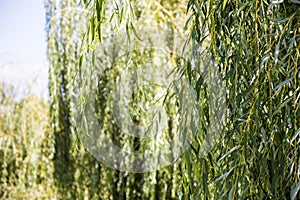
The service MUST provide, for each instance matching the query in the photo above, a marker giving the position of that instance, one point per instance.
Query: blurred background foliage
(255, 48)
(26, 147)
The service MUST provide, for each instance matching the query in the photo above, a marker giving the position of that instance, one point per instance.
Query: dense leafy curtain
(253, 46)
(256, 47)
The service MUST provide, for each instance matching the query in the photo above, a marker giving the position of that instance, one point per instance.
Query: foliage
(26, 147)
(255, 48)
(66, 74)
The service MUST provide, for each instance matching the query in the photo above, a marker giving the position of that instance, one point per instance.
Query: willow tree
(76, 37)
(256, 48)
(63, 45)
(253, 46)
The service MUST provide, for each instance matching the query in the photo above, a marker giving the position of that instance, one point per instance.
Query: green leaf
(295, 190)
(242, 7)
(189, 70)
(296, 135)
(229, 152)
(283, 83)
(135, 32)
(224, 4)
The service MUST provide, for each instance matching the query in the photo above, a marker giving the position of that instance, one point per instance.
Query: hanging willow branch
(254, 46)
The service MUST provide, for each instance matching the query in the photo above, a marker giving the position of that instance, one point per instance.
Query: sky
(23, 62)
